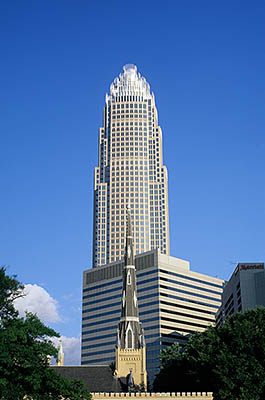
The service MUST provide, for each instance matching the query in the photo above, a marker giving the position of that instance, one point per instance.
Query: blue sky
(205, 62)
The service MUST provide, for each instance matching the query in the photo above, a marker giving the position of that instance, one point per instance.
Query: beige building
(173, 302)
(130, 171)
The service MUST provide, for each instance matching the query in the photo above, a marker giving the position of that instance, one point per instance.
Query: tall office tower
(130, 171)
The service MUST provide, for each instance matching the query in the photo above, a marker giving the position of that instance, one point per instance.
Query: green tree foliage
(25, 345)
(229, 361)
(171, 355)
(10, 290)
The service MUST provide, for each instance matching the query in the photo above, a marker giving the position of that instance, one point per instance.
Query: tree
(230, 360)
(25, 345)
(171, 368)
(171, 355)
(11, 290)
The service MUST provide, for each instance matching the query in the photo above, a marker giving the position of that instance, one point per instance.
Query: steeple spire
(130, 329)
(130, 353)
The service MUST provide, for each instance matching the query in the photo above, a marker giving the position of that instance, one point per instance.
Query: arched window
(129, 339)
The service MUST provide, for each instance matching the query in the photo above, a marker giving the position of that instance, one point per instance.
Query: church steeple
(130, 353)
(130, 330)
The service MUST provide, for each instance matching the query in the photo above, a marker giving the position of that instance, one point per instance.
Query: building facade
(245, 290)
(173, 302)
(130, 171)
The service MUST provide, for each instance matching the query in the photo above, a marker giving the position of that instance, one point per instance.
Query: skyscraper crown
(130, 83)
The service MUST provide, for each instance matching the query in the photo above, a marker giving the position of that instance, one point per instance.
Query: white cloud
(38, 301)
(71, 349)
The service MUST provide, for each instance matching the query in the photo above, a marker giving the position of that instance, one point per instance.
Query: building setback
(173, 302)
(130, 171)
(245, 290)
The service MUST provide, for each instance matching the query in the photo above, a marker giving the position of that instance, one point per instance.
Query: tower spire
(130, 330)
(130, 347)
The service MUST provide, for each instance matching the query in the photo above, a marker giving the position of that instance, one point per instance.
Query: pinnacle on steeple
(60, 356)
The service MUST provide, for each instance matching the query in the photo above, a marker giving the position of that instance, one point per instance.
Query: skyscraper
(130, 171)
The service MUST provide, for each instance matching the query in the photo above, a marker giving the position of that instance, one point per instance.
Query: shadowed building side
(245, 290)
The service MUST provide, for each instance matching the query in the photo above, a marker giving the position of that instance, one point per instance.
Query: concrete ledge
(153, 396)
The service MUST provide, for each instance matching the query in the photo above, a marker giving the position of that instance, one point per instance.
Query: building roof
(96, 378)
(129, 83)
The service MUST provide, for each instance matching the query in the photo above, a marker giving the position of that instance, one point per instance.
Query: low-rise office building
(173, 302)
(245, 290)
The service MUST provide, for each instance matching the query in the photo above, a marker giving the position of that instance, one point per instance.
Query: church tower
(130, 357)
